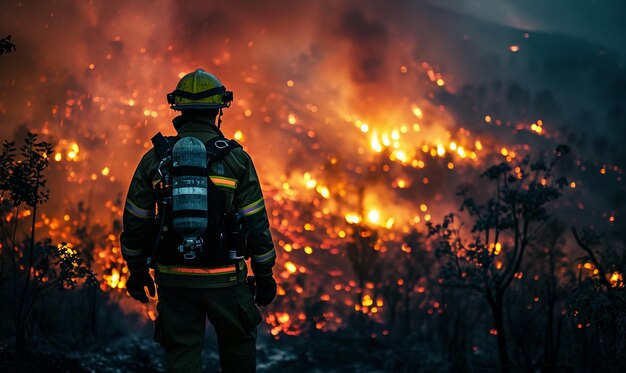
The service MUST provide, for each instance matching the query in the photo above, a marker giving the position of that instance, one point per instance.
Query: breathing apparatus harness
(192, 215)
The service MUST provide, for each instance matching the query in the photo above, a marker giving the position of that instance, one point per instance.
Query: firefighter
(209, 285)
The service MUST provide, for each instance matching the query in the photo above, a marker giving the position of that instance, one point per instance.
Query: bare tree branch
(594, 260)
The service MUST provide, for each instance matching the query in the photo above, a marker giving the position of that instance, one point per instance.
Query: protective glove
(265, 290)
(136, 286)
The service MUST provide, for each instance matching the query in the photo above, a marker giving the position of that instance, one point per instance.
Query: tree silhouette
(503, 226)
(36, 266)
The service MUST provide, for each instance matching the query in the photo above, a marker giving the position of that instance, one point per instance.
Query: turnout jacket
(236, 176)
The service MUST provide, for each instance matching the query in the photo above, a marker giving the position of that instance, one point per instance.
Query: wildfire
(329, 166)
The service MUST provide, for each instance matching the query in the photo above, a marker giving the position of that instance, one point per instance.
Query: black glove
(265, 290)
(136, 286)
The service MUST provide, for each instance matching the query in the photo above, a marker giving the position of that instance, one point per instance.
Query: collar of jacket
(195, 123)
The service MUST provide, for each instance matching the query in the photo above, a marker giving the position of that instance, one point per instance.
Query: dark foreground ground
(289, 354)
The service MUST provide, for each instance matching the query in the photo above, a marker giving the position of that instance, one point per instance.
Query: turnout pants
(179, 327)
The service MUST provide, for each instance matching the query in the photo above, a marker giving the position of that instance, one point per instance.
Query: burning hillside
(362, 121)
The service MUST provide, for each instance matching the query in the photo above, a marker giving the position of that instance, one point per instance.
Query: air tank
(189, 192)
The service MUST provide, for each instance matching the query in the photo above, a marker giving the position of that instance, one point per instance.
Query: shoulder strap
(163, 145)
(218, 147)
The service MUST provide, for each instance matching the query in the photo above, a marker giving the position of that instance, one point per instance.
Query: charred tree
(503, 226)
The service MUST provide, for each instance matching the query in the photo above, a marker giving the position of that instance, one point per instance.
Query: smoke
(316, 84)
(368, 42)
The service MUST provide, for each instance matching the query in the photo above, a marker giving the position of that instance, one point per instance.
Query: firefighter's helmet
(199, 90)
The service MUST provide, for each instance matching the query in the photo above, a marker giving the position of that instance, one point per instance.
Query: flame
(441, 150)
(72, 153)
(497, 248)
(290, 267)
(375, 143)
(616, 279)
(374, 216)
(353, 218)
(367, 301)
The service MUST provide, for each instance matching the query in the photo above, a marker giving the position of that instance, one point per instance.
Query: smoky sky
(80, 65)
(599, 22)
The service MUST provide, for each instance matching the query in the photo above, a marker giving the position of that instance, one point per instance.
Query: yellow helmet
(199, 90)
